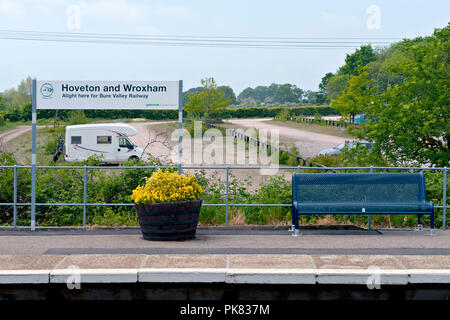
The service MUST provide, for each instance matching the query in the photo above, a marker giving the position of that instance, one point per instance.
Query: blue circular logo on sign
(47, 90)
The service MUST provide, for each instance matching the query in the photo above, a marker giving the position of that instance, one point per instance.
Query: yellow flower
(167, 186)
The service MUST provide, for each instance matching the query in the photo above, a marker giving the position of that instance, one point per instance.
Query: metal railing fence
(227, 205)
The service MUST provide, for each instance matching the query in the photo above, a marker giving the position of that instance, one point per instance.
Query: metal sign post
(112, 95)
(33, 157)
(180, 126)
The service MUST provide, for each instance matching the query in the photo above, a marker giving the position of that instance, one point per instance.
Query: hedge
(24, 113)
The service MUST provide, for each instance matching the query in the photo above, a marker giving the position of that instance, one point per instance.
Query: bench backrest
(358, 187)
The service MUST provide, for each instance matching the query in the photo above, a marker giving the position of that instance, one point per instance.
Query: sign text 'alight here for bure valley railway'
(107, 94)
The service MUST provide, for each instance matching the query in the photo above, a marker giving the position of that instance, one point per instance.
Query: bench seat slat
(406, 208)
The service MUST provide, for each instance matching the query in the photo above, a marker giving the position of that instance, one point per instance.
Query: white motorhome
(109, 141)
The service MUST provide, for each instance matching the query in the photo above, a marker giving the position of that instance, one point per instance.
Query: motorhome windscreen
(104, 139)
(122, 143)
(125, 143)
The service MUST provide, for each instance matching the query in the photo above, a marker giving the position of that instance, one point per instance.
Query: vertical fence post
(226, 198)
(444, 200)
(369, 222)
(85, 196)
(15, 196)
(295, 218)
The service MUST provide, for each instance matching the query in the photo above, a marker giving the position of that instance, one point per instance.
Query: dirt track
(152, 136)
(308, 143)
(14, 133)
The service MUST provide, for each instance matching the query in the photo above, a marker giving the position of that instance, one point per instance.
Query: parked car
(360, 118)
(349, 144)
(108, 141)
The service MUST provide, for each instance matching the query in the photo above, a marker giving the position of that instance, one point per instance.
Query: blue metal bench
(359, 193)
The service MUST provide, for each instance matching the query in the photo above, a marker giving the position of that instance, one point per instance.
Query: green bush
(273, 190)
(283, 115)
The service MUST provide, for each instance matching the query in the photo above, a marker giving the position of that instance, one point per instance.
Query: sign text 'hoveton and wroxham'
(107, 95)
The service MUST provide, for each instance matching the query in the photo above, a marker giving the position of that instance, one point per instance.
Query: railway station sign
(132, 95)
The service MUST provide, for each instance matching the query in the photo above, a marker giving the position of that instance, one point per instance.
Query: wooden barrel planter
(172, 221)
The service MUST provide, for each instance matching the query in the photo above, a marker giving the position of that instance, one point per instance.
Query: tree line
(403, 91)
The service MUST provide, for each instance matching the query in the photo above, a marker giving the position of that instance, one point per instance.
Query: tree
(228, 93)
(207, 101)
(2, 113)
(246, 93)
(321, 96)
(311, 97)
(275, 93)
(187, 94)
(381, 71)
(21, 95)
(361, 57)
(261, 93)
(409, 122)
(77, 117)
(334, 85)
(358, 96)
(287, 93)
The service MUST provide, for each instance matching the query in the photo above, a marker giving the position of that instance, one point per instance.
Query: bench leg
(432, 224)
(419, 223)
(292, 228)
(295, 227)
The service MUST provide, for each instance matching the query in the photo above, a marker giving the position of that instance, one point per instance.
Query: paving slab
(359, 269)
(29, 262)
(185, 261)
(427, 269)
(271, 276)
(425, 262)
(355, 261)
(103, 261)
(270, 261)
(183, 268)
(97, 269)
(75, 275)
(27, 269)
(264, 268)
(182, 275)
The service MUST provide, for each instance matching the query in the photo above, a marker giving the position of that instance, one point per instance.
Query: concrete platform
(251, 269)
(267, 257)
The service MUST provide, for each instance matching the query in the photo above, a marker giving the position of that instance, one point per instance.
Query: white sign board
(139, 95)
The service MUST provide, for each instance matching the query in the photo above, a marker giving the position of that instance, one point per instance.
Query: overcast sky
(239, 68)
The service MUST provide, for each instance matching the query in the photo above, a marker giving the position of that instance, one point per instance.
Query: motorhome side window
(103, 139)
(75, 139)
